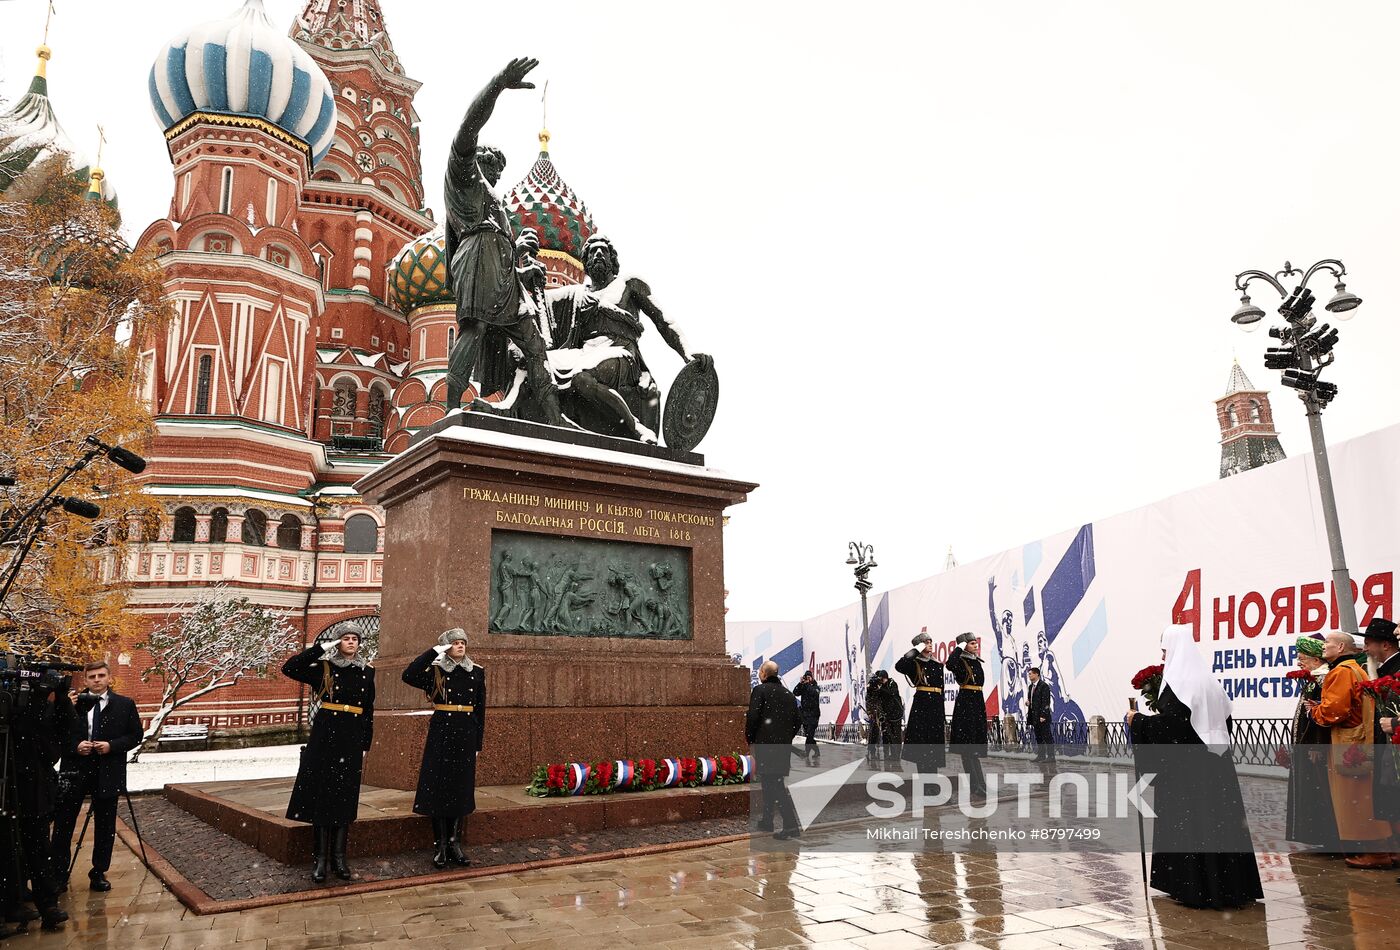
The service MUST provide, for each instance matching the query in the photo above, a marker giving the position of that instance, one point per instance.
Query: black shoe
(787, 834)
(320, 854)
(53, 918)
(338, 865)
(21, 914)
(439, 843)
(765, 826)
(456, 830)
(99, 882)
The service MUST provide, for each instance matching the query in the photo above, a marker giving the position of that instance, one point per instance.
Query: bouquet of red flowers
(1386, 690)
(1282, 757)
(1307, 683)
(1356, 761)
(1148, 680)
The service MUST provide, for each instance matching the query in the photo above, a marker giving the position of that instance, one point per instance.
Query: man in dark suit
(771, 723)
(1038, 716)
(1383, 649)
(94, 765)
(811, 696)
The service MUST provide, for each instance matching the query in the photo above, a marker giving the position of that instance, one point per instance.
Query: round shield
(690, 405)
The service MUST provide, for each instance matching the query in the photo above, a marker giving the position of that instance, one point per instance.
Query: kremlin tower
(1247, 435)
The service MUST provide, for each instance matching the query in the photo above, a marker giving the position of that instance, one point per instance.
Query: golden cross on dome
(544, 117)
(101, 141)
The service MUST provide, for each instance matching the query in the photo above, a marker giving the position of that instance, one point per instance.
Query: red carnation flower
(1282, 757)
(1145, 674)
(1298, 675)
(1354, 756)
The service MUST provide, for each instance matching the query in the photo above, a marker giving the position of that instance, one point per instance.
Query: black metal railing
(1256, 741)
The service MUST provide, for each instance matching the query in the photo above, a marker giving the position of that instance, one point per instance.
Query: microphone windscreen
(127, 459)
(81, 507)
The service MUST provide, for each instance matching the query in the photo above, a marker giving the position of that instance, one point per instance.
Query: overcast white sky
(966, 269)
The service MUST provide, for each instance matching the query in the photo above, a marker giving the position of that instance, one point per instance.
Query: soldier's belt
(341, 707)
(929, 689)
(443, 707)
(975, 689)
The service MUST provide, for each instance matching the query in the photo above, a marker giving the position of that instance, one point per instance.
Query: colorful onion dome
(418, 273)
(544, 202)
(30, 135)
(244, 67)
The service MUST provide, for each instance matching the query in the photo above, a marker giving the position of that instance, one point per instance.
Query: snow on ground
(155, 770)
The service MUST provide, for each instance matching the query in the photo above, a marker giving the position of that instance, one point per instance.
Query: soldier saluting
(327, 790)
(447, 777)
(970, 708)
(926, 732)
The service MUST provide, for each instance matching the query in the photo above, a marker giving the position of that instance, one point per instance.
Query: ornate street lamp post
(1304, 351)
(862, 559)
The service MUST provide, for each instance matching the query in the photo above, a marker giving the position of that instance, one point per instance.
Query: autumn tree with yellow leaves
(71, 296)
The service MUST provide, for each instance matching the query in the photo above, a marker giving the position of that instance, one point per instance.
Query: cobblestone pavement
(227, 869)
(729, 896)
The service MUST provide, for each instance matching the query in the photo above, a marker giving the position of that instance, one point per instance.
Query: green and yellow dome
(418, 273)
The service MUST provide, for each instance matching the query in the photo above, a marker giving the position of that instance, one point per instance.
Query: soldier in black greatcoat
(447, 778)
(969, 732)
(926, 732)
(327, 790)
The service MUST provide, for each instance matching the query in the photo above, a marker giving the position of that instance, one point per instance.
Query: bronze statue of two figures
(563, 356)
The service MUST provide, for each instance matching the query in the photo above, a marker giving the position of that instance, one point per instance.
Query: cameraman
(94, 764)
(40, 723)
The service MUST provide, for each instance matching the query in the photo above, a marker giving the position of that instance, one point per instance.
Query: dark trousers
(38, 868)
(1044, 741)
(65, 819)
(776, 795)
(809, 728)
(972, 765)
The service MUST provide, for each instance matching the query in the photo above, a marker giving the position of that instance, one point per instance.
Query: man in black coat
(891, 706)
(107, 727)
(41, 728)
(926, 732)
(1038, 716)
(969, 732)
(809, 694)
(769, 727)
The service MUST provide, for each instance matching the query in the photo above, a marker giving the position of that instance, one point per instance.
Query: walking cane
(1137, 776)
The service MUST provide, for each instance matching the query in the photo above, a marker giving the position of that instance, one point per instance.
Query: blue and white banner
(1243, 560)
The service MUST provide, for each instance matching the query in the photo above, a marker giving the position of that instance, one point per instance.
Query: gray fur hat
(922, 638)
(966, 637)
(448, 636)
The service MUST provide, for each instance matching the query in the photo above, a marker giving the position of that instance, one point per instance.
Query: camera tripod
(68, 871)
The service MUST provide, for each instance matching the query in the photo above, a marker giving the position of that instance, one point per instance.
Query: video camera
(25, 680)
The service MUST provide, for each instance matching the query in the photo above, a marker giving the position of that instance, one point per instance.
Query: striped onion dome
(243, 66)
(30, 135)
(544, 202)
(418, 273)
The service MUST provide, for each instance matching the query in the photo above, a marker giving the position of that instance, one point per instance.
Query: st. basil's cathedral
(311, 322)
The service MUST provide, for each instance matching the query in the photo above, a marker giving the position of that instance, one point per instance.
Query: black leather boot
(338, 838)
(440, 842)
(457, 830)
(321, 852)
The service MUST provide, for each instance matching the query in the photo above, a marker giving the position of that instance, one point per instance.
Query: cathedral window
(184, 526)
(375, 414)
(218, 526)
(272, 201)
(272, 392)
(361, 535)
(344, 401)
(1254, 415)
(255, 528)
(279, 255)
(201, 387)
(289, 533)
(1232, 416)
(337, 333)
(226, 190)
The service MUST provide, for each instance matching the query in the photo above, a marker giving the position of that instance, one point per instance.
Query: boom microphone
(7, 481)
(126, 458)
(81, 507)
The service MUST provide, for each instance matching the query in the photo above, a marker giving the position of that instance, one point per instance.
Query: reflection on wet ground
(733, 896)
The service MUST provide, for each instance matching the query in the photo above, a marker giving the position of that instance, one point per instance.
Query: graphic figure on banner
(855, 679)
(1065, 709)
(1012, 674)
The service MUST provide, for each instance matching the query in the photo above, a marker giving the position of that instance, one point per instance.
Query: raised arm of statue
(462, 160)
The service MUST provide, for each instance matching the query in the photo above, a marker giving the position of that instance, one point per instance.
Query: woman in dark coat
(1202, 853)
(926, 732)
(447, 778)
(1310, 816)
(327, 790)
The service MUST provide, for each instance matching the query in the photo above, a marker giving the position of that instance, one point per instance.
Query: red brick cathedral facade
(311, 322)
